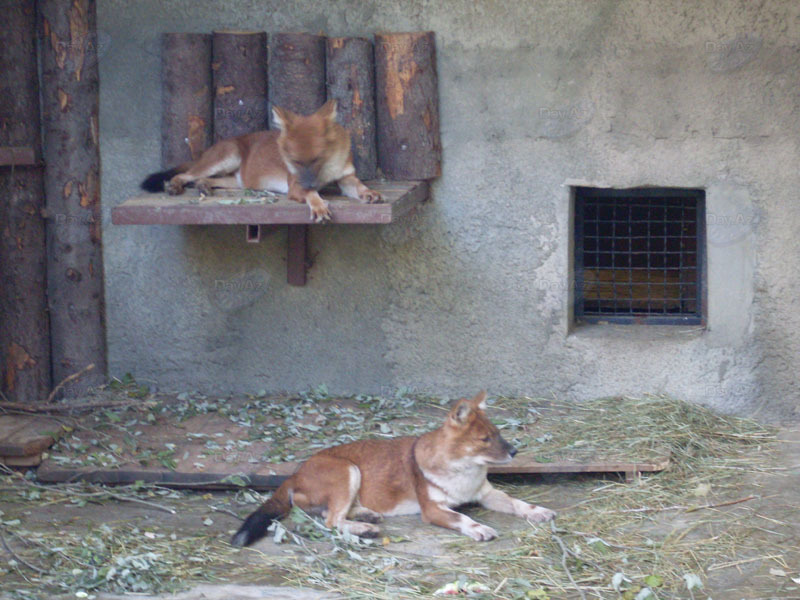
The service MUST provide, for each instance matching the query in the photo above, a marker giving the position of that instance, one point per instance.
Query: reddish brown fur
(429, 474)
(307, 153)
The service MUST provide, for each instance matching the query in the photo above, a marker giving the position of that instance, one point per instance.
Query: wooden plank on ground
(239, 208)
(175, 479)
(522, 467)
(270, 476)
(25, 435)
(34, 460)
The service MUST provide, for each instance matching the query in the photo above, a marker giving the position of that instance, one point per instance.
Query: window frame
(580, 194)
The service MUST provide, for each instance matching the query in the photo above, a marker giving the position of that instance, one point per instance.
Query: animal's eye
(486, 438)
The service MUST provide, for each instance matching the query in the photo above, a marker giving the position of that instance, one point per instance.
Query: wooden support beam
(24, 326)
(70, 105)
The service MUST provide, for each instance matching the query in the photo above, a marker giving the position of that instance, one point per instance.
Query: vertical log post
(24, 327)
(239, 69)
(409, 146)
(186, 114)
(297, 72)
(72, 189)
(297, 83)
(350, 74)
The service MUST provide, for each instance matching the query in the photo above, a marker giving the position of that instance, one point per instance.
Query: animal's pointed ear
(328, 110)
(282, 117)
(479, 401)
(461, 412)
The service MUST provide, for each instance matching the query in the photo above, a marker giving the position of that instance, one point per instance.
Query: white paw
(320, 212)
(480, 533)
(365, 530)
(537, 514)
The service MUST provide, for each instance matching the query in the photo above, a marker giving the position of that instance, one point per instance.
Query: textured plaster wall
(473, 291)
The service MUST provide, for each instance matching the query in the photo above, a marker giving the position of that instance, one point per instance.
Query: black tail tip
(253, 529)
(155, 181)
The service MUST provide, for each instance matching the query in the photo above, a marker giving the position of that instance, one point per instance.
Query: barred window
(639, 255)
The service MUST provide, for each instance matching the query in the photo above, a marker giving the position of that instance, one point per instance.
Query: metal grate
(638, 255)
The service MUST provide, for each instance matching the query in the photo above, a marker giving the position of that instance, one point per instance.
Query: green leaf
(654, 581)
(237, 480)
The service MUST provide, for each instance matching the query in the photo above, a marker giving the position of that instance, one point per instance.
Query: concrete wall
(473, 291)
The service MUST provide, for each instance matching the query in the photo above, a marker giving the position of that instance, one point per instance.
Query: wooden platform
(254, 209)
(239, 208)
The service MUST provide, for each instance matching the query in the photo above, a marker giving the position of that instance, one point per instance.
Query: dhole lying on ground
(355, 485)
(305, 155)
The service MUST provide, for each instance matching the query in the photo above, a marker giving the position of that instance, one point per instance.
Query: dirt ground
(764, 563)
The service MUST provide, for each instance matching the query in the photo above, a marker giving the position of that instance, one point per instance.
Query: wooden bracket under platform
(256, 210)
(17, 156)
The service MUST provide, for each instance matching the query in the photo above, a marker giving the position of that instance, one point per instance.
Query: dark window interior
(638, 255)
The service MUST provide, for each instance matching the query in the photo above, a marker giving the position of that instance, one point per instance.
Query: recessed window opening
(638, 255)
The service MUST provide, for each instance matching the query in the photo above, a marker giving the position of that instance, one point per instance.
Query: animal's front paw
(174, 188)
(319, 211)
(204, 187)
(364, 530)
(480, 533)
(538, 514)
(370, 196)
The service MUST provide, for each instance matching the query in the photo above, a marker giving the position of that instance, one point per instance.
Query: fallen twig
(40, 408)
(743, 562)
(652, 509)
(67, 380)
(729, 503)
(564, 554)
(18, 558)
(688, 509)
(226, 511)
(135, 501)
(69, 492)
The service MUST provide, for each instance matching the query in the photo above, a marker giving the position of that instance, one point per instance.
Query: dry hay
(655, 535)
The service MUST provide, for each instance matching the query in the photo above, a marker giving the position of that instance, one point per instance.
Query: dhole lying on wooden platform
(305, 155)
(355, 485)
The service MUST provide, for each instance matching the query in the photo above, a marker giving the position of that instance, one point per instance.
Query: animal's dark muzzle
(307, 179)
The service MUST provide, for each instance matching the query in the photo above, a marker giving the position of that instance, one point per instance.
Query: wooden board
(175, 479)
(34, 460)
(526, 465)
(238, 208)
(25, 435)
(259, 480)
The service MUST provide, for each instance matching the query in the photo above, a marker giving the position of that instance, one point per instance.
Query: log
(239, 71)
(70, 102)
(297, 72)
(24, 327)
(407, 99)
(350, 75)
(186, 109)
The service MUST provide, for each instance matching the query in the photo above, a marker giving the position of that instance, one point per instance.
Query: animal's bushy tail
(155, 181)
(255, 526)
